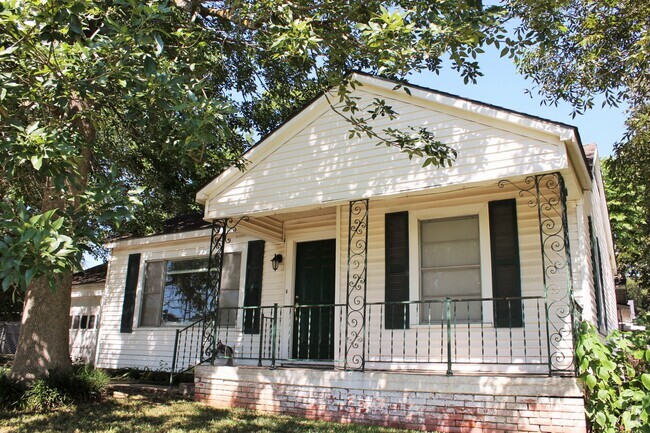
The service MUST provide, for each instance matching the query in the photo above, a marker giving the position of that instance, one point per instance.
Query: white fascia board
(262, 149)
(156, 239)
(458, 103)
(77, 293)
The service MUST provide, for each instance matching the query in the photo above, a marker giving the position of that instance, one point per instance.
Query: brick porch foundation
(415, 401)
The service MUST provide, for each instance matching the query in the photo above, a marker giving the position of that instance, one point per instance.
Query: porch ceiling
(271, 227)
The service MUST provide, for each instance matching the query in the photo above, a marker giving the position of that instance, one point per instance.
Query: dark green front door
(313, 331)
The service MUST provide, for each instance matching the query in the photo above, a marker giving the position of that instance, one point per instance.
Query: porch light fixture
(275, 261)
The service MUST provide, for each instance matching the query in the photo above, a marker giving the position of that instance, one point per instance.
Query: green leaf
(149, 65)
(56, 225)
(75, 24)
(29, 275)
(37, 161)
(31, 128)
(160, 45)
(6, 283)
(591, 381)
(645, 379)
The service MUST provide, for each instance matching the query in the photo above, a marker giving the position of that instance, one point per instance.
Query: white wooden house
(87, 290)
(343, 271)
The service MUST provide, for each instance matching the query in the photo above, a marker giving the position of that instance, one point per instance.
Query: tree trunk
(44, 339)
(44, 335)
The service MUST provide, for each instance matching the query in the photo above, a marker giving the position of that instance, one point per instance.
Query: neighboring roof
(183, 223)
(178, 225)
(590, 152)
(96, 274)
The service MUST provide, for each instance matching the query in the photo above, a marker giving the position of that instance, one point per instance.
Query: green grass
(133, 415)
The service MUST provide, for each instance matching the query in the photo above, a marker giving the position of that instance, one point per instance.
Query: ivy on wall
(615, 372)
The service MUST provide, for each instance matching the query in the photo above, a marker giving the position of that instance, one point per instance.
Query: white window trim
(480, 209)
(164, 258)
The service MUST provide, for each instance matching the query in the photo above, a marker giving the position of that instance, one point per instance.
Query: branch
(196, 7)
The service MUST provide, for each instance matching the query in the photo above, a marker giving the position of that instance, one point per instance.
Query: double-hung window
(450, 267)
(176, 291)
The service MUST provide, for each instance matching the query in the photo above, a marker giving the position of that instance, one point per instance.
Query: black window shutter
(128, 307)
(253, 286)
(602, 288)
(597, 278)
(397, 270)
(506, 275)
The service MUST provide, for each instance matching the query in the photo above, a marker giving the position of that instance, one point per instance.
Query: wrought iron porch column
(221, 229)
(547, 193)
(357, 270)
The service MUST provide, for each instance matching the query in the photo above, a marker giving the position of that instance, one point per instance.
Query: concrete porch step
(155, 391)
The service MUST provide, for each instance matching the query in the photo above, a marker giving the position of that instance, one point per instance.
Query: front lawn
(132, 415)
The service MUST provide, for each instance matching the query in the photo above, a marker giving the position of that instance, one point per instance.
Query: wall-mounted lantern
(275, 261)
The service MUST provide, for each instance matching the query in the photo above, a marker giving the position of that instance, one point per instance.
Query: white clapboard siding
(151, 347)
(319, 163)
(472, 343)
(145, 347)
(596, 207)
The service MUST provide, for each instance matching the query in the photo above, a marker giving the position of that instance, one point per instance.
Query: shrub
(616, 375)
(42, 396)
(10, 392)
(84, 384)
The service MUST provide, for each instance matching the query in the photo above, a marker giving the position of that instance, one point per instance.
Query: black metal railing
(444, 334)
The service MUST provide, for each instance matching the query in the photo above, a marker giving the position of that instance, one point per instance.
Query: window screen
(450, 266)
(175, 291)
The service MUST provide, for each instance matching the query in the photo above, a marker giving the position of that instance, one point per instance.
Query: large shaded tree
(629, 219)
(582, 51)
(105, 105)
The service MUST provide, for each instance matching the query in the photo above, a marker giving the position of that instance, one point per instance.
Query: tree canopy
(99, 99)
(582, 50)
(107, 105)
(113, 113)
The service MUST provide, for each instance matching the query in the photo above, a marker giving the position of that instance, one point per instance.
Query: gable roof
(590, 153)
(565, 132)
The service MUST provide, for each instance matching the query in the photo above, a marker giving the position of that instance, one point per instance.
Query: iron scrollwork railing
(357, 270)
(220, 236)
(197, 342)
(547, 193)
(452, 335)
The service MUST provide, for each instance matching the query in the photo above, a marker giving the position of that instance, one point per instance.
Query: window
(91, 321)
(175, 291)
(450, 266)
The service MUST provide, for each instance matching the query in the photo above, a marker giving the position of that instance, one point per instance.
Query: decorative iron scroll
(547, 193)
(355, 309)
(221, 230)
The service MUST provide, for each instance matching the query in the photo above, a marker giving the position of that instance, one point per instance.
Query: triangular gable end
(310, 160)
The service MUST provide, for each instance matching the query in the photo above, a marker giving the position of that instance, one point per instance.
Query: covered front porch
(326, 300)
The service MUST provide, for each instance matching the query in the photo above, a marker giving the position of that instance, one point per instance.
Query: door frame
(298, 328)
(290, 273)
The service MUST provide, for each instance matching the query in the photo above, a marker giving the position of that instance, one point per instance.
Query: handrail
(444, 331)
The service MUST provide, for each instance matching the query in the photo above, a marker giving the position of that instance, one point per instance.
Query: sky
(502, 86)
